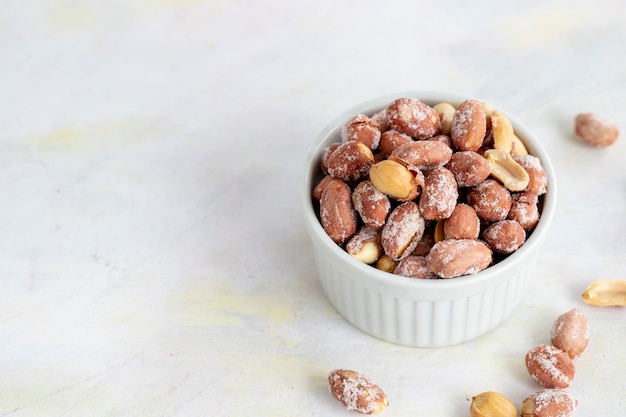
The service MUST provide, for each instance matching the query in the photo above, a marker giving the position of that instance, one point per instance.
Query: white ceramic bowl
(415, 312)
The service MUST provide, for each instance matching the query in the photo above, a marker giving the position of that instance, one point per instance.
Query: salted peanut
(317, 190)
(391, 139)
(445, 111)
(439, 195)
(414, 267)
(550, 366)
(519, 149)
(337, 213)
(422, 154)
(403, 229)
(326, 154)
(570, 333)
(503, 133)
(503, 167)
(463, 223)
(549, 403)
(426, 243)
(469, 126)
(491, 200)
(351, 161)
(525, 209)
(442, 138)
(385, 263)
(396, 180)
(413, 117)
(505, 236)
(456, 257)
(362, 129)
(365, 245)
(538, 179)
(606, 292)
(383, 122)
(492, 404)
(595, 130)
(372, 205)
(356, 392)
(469, 168)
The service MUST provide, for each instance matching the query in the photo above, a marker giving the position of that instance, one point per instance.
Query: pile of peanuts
(430, 191)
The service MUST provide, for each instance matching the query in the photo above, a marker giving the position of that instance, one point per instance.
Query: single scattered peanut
(595, 130)
(606, 292)
(549, 403)
(356, 392)
(492, 404)
(570, 333)
(550, 366)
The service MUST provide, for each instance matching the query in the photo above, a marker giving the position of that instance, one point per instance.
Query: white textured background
(153, 261)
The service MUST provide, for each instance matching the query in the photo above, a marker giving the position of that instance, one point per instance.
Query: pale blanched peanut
(492, 404)
(508, 171)
(488, 108)
(395, 180)
(503, 133)
(606, 292)
(365, 245)
(446, 113)
(385, 263)
(519, 149)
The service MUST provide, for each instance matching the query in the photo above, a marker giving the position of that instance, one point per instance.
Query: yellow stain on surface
(177, 2)
(70, 15)
(220, 305)
(71, 136)
(550, 24)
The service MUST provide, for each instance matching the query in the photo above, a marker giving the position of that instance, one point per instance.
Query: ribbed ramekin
(420, 312)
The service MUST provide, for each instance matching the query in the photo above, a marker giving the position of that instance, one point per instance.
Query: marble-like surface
(153, 260)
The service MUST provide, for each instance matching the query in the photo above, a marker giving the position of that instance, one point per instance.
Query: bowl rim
(425, 287)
